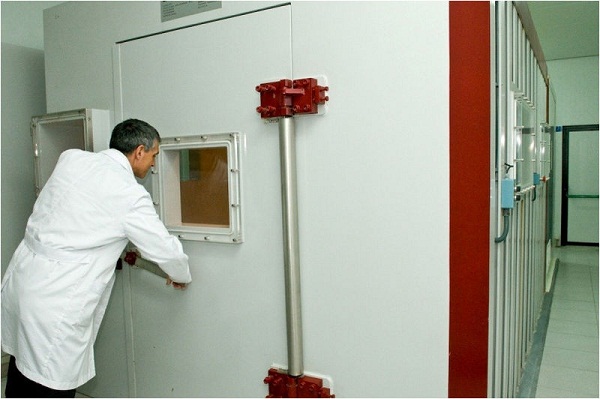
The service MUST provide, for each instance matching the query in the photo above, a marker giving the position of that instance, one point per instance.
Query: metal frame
(564, 239)
(58, 118)
(166, 192)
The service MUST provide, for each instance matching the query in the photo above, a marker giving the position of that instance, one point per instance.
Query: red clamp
(287, 97)
(285, 386)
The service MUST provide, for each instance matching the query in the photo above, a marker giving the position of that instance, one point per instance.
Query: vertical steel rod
(287, 150)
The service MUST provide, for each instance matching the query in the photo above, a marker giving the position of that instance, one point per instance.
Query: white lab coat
(57, 285)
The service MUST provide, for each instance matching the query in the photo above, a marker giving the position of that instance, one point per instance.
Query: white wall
(22, 22)
(575, 82)
(23, 96)
(375, 221)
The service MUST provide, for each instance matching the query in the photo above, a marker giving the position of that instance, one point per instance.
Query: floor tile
(569, 365)
(574, 295)
(561, 303)
(573, 271)
(580, 280)
(571, 341)
(578, 283)
(547, 392)
(571, 359)
(579, 316)
(575, 328)
(578, 381)
(584, 255)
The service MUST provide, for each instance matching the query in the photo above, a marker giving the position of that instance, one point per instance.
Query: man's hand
(177, 286)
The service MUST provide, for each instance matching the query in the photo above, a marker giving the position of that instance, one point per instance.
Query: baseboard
(531, 371)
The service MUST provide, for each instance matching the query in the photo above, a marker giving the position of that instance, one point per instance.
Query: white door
(581, 185)
(194, 81)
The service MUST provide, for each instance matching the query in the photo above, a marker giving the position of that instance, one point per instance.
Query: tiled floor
(570, 362)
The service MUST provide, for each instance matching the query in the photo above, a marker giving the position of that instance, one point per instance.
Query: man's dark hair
(129, 134)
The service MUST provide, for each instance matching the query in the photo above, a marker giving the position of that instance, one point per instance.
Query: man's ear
(138, 152)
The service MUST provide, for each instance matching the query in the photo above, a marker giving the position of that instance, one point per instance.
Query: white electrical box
(54, 133)
(197, 187)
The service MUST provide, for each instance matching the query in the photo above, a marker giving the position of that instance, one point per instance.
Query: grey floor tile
(581, 382)
(569, 365)
(560, 303)
(547, 392)
(579, 316)
(571, 359)
(571, 341)
(569, 327)
(574, 295)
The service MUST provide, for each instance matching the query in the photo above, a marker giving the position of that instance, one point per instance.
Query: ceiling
(566, 29)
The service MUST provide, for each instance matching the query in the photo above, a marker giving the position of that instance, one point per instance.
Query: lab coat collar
(119, 158)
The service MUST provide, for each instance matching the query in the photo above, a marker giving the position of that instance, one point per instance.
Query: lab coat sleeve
(146, 231)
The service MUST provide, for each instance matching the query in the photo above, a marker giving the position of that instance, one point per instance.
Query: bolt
(265, 110)
(262, 88)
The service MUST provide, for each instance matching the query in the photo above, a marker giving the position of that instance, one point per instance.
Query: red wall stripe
(469, 197)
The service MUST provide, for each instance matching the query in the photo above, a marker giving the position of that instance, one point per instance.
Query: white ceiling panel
(566, 29)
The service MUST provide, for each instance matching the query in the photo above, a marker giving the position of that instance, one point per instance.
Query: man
(57, 285)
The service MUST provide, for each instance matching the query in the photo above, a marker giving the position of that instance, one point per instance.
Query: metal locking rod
(287, 149)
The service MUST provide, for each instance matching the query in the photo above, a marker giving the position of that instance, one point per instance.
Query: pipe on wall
(287, 150)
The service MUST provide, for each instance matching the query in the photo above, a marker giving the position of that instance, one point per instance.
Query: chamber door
(201, 81)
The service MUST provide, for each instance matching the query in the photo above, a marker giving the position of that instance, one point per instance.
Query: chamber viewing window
(197, 183)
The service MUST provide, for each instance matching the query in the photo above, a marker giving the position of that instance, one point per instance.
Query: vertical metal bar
(497, 280)
(496, 55)
(287, 150)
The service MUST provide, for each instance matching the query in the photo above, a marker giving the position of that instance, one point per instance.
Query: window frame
(167, 189)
